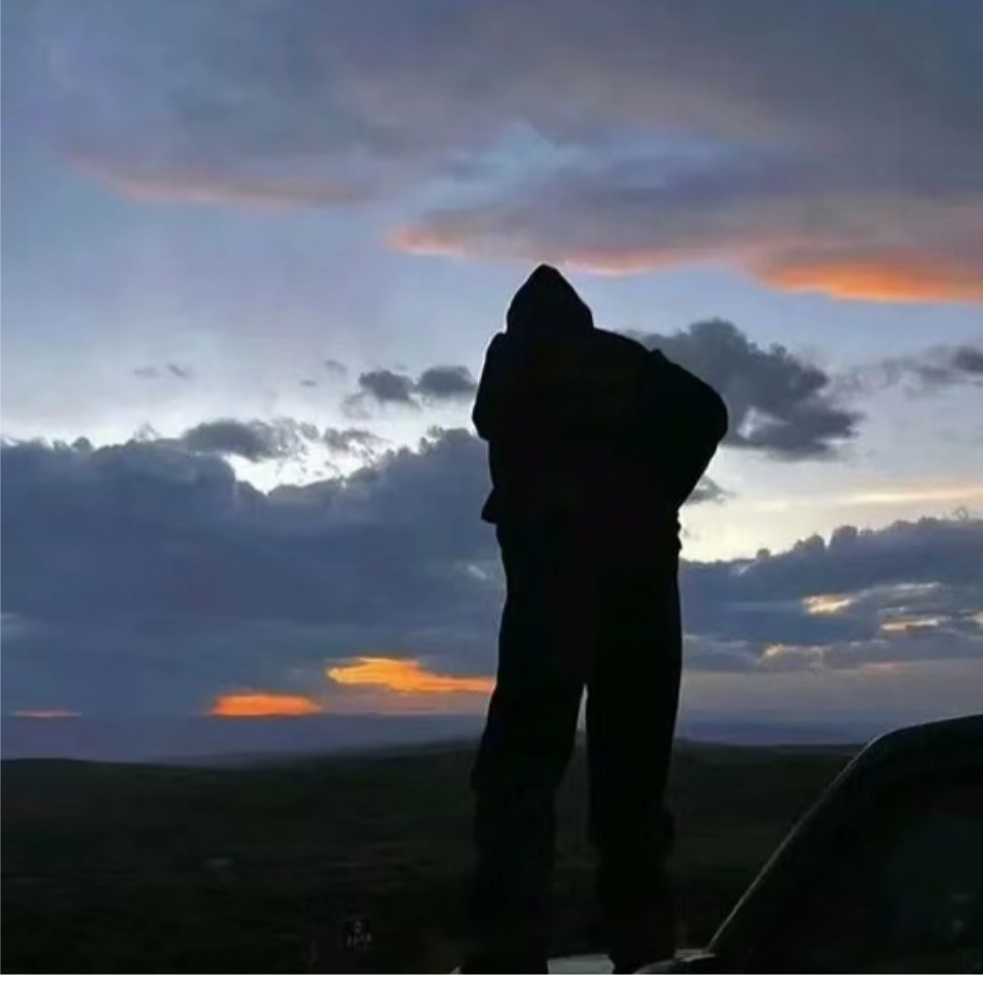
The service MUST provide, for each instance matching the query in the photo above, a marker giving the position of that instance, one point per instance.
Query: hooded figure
(546, 304)
(594, 442)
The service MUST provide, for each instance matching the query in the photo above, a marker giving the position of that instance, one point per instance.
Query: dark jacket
(580, 420)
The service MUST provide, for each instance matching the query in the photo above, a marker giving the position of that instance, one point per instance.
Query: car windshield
(906, 891)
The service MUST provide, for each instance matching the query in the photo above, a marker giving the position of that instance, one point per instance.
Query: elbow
(483, 420)
(721, 419)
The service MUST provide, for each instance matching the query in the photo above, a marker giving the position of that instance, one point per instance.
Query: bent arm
(690, 420)
(488, 400)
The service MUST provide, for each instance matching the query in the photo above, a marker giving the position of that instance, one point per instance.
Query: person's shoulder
(622, 343)
(498, 342)
(499, 351)
(620, 350)
(612, 347)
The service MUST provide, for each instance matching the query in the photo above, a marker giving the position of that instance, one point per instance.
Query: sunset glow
(881, 280)
(405, 676)
(826, 603)
(888, 279)
(903, 624)
(433, 242)
(263, 705)
(55, 714)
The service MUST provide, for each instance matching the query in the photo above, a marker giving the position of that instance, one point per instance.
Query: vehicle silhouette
(883, 874)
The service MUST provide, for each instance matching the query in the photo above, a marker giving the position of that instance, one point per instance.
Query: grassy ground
(111, 868)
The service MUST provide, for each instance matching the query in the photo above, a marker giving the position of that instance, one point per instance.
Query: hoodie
(581, 422)
(546, 305)
(555, 398)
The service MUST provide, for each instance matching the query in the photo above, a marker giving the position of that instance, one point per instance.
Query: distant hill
(212, 740)
(758, 733)
(234, 742)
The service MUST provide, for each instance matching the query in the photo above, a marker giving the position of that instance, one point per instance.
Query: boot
(641, 939)
(505, 961)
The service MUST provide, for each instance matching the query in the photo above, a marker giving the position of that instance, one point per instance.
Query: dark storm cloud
(446, 382)
(385, 386)
(438, 384)
(354, 441)
(254, 440)
(778, 402)
(861, 595)
(265, 440)
(146, 576)
(968, 360)
(151, 555)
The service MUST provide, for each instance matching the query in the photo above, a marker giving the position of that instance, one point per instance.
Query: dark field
(122, 868)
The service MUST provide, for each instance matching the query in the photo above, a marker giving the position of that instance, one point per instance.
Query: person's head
(546, 304)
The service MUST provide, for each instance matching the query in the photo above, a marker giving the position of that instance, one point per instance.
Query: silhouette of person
(594, 443)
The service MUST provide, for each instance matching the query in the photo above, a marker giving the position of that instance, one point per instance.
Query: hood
(546, 305)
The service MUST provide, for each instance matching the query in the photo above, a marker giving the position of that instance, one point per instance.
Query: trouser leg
(633, 693)
(525, 748)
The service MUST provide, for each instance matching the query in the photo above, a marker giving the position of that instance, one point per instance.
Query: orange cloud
(405, 676)
(433, 242)
(887, 278)
(54, 714)
(420, 242)
(263, 705)
(884, 280)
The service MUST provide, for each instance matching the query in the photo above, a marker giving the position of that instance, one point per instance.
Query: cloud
(844, 155)
(788, 160)
(909, 591)
(936, 368)
(787, 226)
(225, 184)
(53, 714)
(263, 705)
(778, 402)
(438, 384)
(255, 440)
(446, 382)
(709, 491)
(405, 675)
(353, 441)
(146, 575)
(188, 582)
(968, 360)
(385, 386)
(279, 440)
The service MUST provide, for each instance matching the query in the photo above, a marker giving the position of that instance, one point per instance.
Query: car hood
(595, 965)
(576, 966)
(581, 966)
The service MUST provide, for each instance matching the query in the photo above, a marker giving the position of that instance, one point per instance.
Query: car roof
(962, 736)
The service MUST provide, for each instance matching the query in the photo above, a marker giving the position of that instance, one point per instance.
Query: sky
(253, 253)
